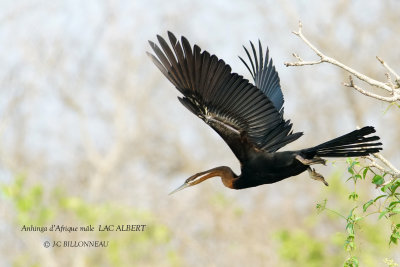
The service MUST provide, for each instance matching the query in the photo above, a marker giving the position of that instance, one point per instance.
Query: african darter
(249, 117)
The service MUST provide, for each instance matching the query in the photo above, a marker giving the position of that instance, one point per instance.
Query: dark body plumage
(249, 117)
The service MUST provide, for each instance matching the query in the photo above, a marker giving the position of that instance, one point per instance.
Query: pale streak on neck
(226, 174)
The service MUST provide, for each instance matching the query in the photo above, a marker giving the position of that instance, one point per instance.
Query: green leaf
(351, 212)
(353, 196)
(381, 196)
(395, 185)
(366, 205)
(321, 206)
(365, 172)
(350, 229)
(394, 237)
(378, 180)
(358, 218)
(394, 203)
(372, 201)
(350, 170)
(387, 187)
(395, 211)
(352, 163)
(351, 262)
(383, 213)
(349, 244)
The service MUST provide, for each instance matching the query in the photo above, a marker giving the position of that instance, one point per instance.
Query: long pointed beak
(180, 188)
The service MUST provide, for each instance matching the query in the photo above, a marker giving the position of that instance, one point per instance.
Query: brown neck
(226, 174)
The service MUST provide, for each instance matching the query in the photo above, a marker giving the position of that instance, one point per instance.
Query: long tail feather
(353, 144)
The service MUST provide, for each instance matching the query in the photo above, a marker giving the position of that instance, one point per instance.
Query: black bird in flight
(249, 117)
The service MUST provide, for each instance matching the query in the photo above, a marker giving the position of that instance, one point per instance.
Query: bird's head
(224, 172)
(193, 180)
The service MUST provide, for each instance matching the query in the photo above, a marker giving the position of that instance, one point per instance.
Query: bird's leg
(314, 160)
(316, 176)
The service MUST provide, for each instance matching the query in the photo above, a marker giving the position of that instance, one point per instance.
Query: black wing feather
(265, 76)
(242, 114)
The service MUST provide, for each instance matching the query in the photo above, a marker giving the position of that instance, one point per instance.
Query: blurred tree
(82, 109)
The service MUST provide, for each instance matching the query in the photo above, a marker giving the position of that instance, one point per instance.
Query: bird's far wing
(265, 76)
(237, 110)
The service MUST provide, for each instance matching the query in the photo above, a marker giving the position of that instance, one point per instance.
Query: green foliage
(299, 248)
(363, 241)
(222, 203)
(395, 236)
(351, 262)
(353, 196)
(219, 200)
(386, 206)
(321, 206)
(378, 180)
(28, 202)
(390, 106)
(33, 207)
(390, 262)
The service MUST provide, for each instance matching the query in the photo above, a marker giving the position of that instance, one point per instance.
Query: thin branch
(387, 163)
(324, 58)
(390, 83)
(397, 76)
(392, 171)
(389, 99)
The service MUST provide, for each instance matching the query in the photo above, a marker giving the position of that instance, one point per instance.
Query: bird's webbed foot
(314, 160)
(316, 176)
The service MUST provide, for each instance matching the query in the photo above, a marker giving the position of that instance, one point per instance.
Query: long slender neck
(227, 176)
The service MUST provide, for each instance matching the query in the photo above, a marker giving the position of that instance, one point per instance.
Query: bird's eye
(193, 178)
(190, 179)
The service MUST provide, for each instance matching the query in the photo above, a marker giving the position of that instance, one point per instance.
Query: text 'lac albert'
(123, 227)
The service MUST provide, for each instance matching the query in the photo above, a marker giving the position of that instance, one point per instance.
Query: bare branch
(397, 76)
(388, 164)
(389, 99)
(389, 87)
(393, 89)
(392, 171)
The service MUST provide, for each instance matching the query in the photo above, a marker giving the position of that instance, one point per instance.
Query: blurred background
(92, 133)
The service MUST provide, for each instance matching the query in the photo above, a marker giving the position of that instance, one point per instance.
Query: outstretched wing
(237, 110)
(265, 76)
